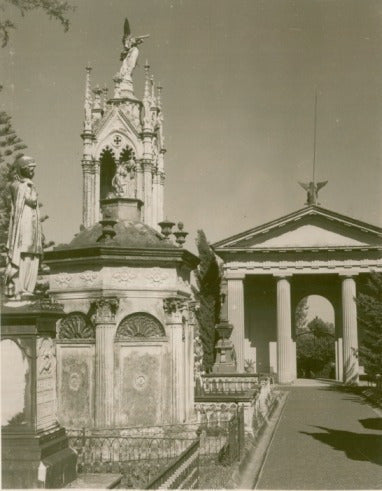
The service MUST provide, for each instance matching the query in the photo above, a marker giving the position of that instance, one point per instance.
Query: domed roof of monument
(134, 235)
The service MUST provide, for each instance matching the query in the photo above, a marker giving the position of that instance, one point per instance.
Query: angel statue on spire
(130, 52)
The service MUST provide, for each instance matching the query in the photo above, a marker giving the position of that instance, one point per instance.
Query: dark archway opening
(107, 172)
(315, 338)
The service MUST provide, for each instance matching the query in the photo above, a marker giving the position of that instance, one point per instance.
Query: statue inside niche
(24, 245)
(123, 182)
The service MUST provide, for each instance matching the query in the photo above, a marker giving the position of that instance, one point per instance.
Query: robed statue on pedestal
(24, 245)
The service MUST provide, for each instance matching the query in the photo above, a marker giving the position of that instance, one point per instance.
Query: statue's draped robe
(24, 246)
(129, 63)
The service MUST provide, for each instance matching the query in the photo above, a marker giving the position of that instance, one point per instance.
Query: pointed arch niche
(107, 171)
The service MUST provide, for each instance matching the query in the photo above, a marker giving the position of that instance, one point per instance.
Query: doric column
(105, 309)
(349, 329)
(284, 332)
(235, 290)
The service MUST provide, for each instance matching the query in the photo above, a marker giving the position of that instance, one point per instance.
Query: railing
(226, 384)
(182, 474)
(139, 459)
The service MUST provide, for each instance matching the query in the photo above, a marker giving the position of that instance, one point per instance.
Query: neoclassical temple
(269, 269)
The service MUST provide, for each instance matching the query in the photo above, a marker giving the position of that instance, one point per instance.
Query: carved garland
(139, 325)
(76, 326)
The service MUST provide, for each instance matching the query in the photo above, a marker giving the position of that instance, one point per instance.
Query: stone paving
(326, 438)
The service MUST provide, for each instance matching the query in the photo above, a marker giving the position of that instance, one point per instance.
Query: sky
(239, 79)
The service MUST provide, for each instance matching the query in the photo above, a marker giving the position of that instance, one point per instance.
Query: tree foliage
(55, 9)
(207, 294)
(301, 314)
(315, 348)
(369, 305)
(11, 148)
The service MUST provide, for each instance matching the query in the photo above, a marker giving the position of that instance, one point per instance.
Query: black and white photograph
(191, 244)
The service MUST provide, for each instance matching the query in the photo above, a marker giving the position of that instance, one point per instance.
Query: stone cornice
(125, 256)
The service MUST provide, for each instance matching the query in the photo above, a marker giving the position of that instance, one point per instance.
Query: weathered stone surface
(76, 384)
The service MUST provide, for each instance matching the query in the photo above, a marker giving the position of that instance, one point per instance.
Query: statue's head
(25, 166)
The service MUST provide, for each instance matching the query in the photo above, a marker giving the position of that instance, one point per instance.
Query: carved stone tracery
(140, 325)
(76, 325)
(105, 310)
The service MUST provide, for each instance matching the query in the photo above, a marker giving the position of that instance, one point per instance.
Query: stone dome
(135, 235)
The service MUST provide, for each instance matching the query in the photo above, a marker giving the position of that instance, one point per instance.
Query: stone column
(173, 307)
(105, 309)
(147, 178)
(155, 220)
(284, 332)
(235, 290)
(140, 194)
(97, 206)
(87, 193)
(349, 329)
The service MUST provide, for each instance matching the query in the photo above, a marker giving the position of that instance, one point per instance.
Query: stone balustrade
(228, 383)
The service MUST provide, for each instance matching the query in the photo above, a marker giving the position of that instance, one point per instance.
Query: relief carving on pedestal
(88, 277)
(46, 356)
(157, 276)
(63, 279)
(124, 276)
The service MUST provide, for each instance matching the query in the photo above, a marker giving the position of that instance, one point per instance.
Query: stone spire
(123, 156)
(88, 104)
(97, 104)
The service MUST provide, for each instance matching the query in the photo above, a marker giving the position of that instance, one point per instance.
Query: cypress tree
(207, 293)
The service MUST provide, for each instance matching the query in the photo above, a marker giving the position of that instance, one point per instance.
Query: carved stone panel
(141, 388)
(75, 384)
(76, 325)
(139, 325)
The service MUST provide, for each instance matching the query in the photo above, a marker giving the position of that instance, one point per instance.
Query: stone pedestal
(122, 209)
(350, 335)
(225, 358)
(35, 450)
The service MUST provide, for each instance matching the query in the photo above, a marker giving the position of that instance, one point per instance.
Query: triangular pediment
(115, 120)
(310, 228)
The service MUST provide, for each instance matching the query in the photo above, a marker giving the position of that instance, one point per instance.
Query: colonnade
(346, 345)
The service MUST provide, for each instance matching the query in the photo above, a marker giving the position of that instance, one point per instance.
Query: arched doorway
(314, 337)
(107, 171)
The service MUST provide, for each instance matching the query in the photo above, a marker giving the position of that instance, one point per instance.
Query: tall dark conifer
(207, 294)
(11, 148)
(369, 305)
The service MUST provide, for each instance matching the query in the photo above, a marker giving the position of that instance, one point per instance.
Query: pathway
(325, 439)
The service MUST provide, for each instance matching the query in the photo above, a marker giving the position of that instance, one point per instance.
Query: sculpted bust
(24, 245)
